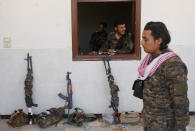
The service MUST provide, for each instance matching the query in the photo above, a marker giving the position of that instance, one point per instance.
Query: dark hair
(104, 24)
(159, 30)
(119, 22)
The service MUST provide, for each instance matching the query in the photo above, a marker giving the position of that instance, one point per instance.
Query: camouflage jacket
(97, 40)
(165, 93)
(122, 45)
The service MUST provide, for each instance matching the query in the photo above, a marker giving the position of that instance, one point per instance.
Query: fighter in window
(98, 38)
(119, 41)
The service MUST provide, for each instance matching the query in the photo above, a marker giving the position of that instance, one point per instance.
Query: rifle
(69, 92)
(28, 88)
(114, 91)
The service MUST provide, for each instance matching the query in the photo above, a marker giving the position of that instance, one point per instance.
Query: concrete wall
(43, 28)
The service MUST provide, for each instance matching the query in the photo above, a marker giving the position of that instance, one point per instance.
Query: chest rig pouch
(138, 87)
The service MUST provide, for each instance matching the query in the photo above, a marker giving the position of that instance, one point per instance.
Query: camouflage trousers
(161, 125)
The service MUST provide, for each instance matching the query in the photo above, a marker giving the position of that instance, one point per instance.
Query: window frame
(136, 12)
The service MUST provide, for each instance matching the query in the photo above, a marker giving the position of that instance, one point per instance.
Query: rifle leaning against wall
(69, 93)
(114, 91)
(28, 88)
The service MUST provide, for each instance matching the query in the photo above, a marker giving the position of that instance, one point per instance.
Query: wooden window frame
(136, 11)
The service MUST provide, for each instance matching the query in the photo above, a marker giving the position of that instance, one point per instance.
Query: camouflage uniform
(114, 98)
(28, 89)
(114, 93)
(51, 117)
(18, 118)
(122, 45)
(166, 106)
(97, 40)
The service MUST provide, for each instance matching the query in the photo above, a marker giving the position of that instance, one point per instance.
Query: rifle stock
(63, 97)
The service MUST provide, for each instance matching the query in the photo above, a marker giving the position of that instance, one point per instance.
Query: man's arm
(92, 41)
(105, 46)
(127, 45)
(176, 74)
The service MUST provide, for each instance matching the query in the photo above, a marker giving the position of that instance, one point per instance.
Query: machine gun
(114, 91)
(28, 88)
(69, 92)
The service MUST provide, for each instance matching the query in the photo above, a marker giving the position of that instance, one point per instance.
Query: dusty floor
(97, 125)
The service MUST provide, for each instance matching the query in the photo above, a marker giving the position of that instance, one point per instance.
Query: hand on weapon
(110, 53)
(111, 50)
(93, 53)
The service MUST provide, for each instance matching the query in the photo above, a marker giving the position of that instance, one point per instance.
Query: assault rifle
(69, 92)
(28, 88)
(114, 91)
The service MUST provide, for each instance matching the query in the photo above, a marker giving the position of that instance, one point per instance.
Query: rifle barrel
(107, 65)
(31, 68)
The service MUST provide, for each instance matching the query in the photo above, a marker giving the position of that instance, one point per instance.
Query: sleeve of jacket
(176, 75)
(127, 45)
(106, 45)
(92, 40)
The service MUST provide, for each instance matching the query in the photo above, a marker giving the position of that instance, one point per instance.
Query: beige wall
(43, 28)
